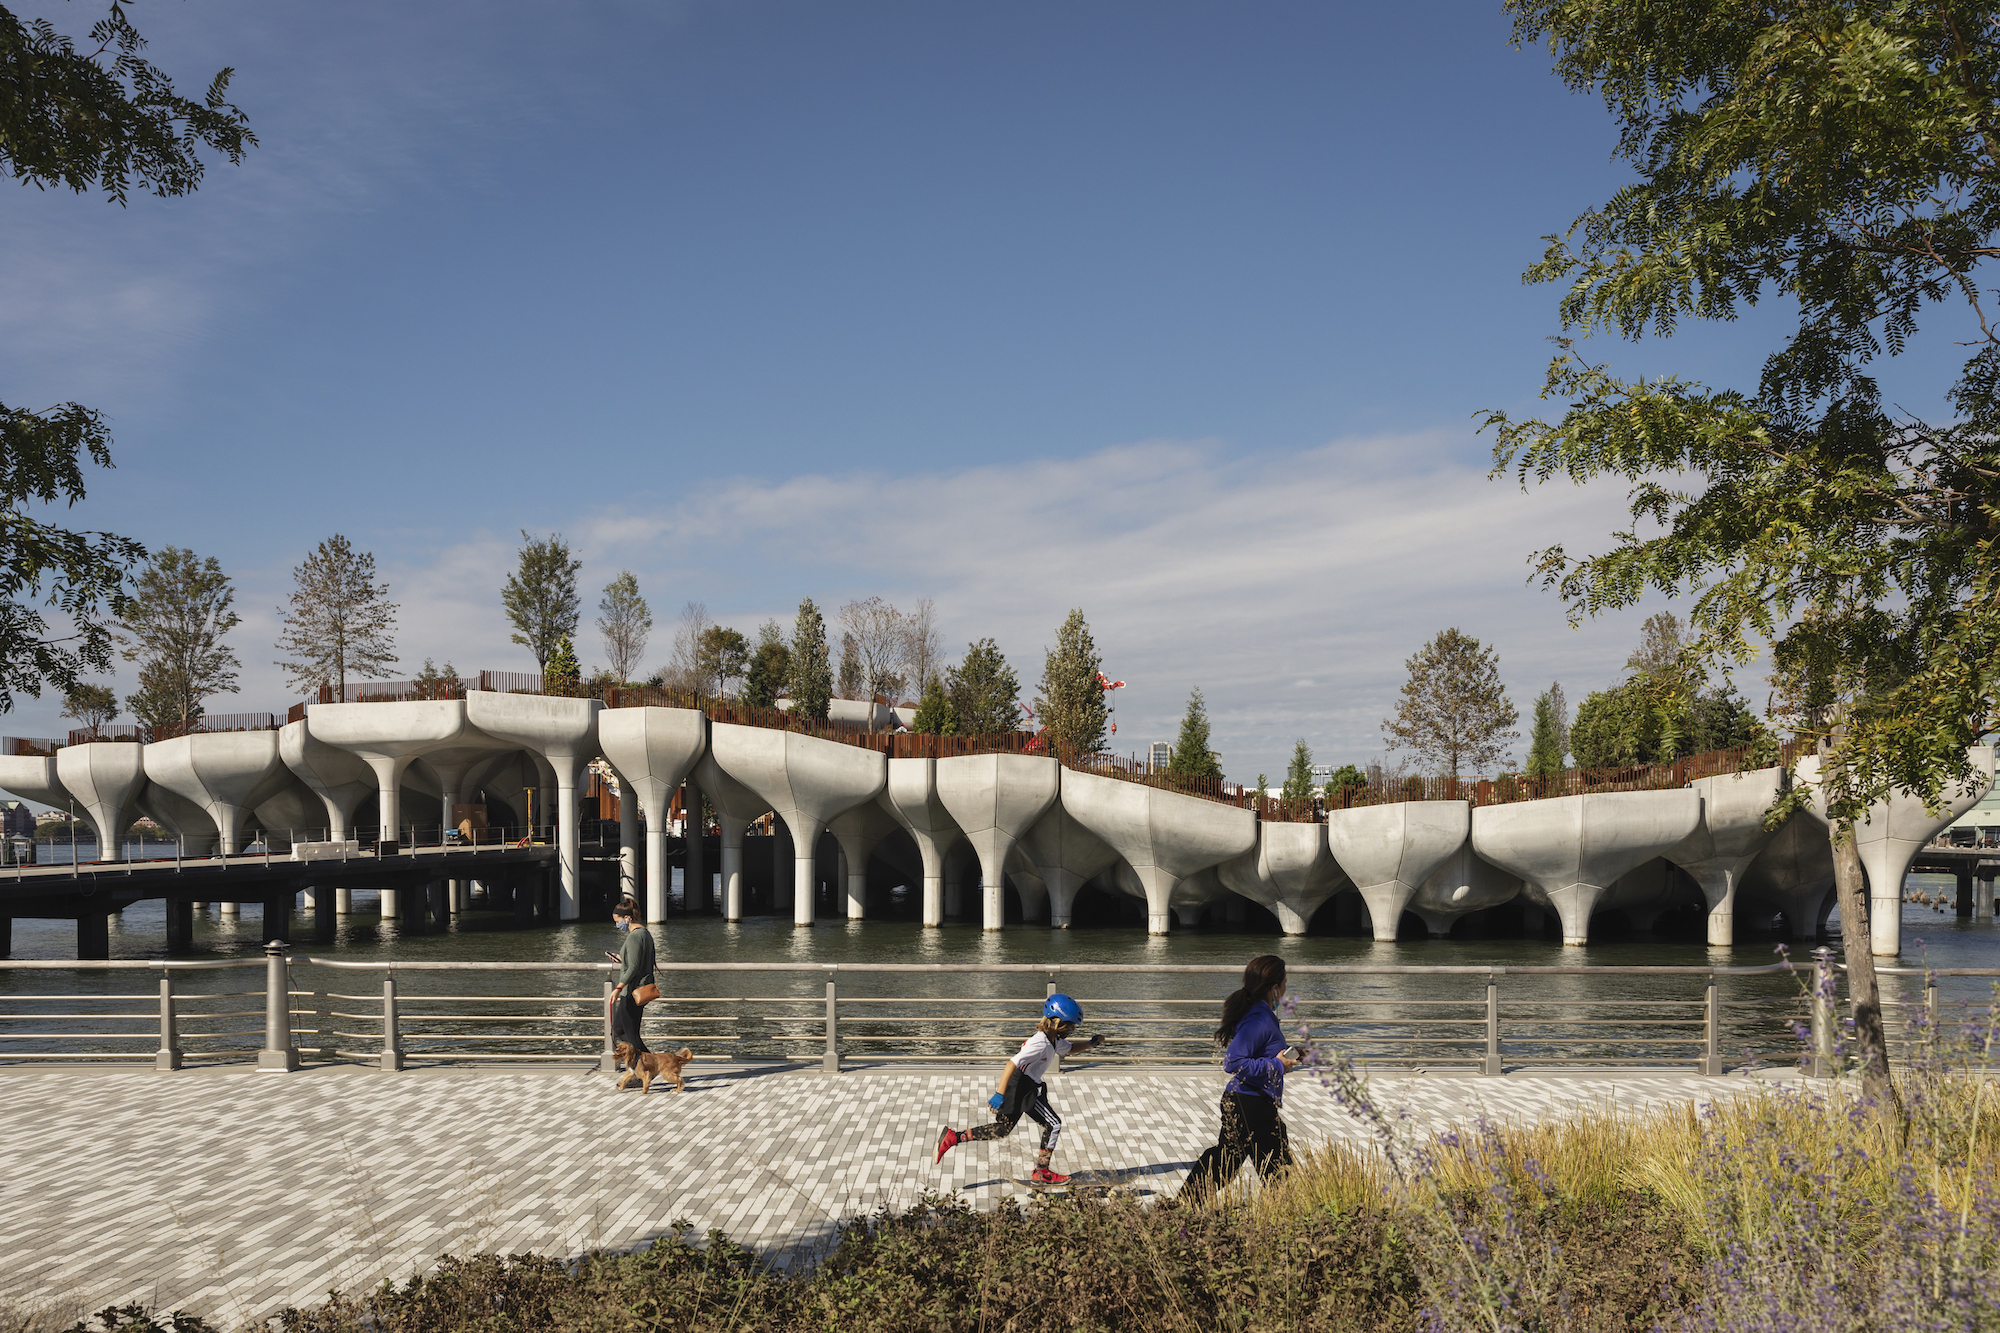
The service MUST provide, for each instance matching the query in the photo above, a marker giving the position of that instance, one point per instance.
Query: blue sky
(1179, 313)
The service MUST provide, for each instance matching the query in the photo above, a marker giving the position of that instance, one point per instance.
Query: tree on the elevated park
(340, 621)
(879, 638)
(985, 693)
(1454, 715)
(173, 626)
(1299, 776)
(1191, 757)
(770, 668)
(850, 667)
(561, 670)
(540, 596)
(722, 656)
(625, 623)
(90, 705)
(812, 669)
(97, 118)
(1545, 753)
(934, 716)
(1344, 777)
(1841, 163)
(1071, 701)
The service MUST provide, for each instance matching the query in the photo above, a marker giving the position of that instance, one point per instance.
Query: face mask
(621, 923)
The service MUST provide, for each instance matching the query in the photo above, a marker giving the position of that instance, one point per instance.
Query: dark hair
(627, 906)
(1264, 972)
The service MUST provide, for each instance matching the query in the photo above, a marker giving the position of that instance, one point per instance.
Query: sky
(1178, 313)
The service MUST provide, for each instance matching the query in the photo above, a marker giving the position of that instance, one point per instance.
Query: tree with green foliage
(1299, 775)
(811, 684)
(339, 620)
(1071, 702)
(173, 627)
(1545, 738)
(722, 655)
(99, 118)
(984, 692)
(91, 706)
(850, 686)
(1840, 163)
(540, 596)
(1343, 778)
(1454, 714)
(431, 683)
(770, 667)
(1191, 757)
(934, 716)
(561, 672)
(625, 622)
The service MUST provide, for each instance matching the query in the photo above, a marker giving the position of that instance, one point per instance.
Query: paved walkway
(231, 1193)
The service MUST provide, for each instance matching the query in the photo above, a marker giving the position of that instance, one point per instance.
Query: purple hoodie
(1253, 1055)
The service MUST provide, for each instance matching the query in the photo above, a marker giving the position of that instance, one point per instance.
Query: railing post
(608, 1062)
(279, 1055)
(392, 1033)
(1491, 1064)
(1822, 1014)
(831, 1063)
(169, 1056)
(1711, 1037)
(1931, 1009)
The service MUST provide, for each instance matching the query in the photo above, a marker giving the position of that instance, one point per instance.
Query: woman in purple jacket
(1258, 1058)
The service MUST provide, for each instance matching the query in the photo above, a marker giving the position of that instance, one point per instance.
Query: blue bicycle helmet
(1061, 1007)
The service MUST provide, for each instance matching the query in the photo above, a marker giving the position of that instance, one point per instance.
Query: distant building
(1162, 754)
(16, 820)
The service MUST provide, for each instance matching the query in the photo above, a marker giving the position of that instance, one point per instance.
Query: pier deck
(232, 1193)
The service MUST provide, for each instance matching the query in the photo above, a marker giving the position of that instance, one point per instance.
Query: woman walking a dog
(636, 968)
(1258, 1059)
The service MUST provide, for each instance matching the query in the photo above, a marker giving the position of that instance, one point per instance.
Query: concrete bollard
(392, 1035)
(830, 1064)
(1822, 1014)
(279, 1056)
(169, 1054)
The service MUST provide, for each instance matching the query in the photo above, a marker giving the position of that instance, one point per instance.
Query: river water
(957, 1011)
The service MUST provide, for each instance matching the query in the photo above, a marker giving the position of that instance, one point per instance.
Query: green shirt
(635, 959)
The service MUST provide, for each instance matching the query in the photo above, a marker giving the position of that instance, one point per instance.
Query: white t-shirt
(1038, 1053)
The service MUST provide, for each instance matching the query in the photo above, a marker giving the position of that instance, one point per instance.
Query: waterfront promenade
(231, 1192)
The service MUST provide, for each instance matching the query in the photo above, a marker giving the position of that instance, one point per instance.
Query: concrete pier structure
(1066, 855)
(736, 806)
(806, 781)
(224, 774)
(1390, 850)
(1162, 835)
(194, 833)
(995, 799)
(1291, 871)
(341, 780)
(561, 732)
(860, 830)
(911, 796)
(105, 778)
(1727, 840)
(1464, 884)
(1570, 850)
(653, 749)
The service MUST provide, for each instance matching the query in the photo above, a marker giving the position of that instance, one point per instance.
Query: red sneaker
(1044, 1176)
(948, 1140)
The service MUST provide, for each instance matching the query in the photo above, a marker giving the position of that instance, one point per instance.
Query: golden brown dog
(652, 1065)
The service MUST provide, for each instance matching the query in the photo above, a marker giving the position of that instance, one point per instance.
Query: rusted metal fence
(31, 747)
(166, 731)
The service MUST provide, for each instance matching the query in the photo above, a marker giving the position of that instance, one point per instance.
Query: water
(947, 1014)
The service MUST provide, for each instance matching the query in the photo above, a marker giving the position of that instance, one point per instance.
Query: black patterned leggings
(1024, 1097)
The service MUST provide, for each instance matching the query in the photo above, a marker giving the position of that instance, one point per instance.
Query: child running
(1023, 1091)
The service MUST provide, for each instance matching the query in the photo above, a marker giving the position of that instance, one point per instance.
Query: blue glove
(996, 1101)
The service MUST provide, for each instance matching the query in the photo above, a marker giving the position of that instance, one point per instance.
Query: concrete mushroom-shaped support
(735, 806)
(1164, 836)
(1727, 840)
(995, 798)
(1291, 871)
(105, 778)
(1389, 850)
(806, 780)
(341, 780)
(1571, 849)
(194, 832)
(387, 737)
(1896, 830)
(654, 750)
(33, 778)
(1794, 875)
(563, 732)
(859, 830)
(227, 774)
(1065, 854)
(288, 814)
(1464, 883)
(911, 796)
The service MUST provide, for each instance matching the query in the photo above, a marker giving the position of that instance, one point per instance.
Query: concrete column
(390, 905)
(732, 868)
(1963, 905)
(232, 909)
(954, 886)
(570, 854)
(278, 916)
(784, 885)
(180, 926)
(93, 935)
(1982, 900)
(805, 878)
(628, 847)
(343, 901)
(440, 904)
(694, 874)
